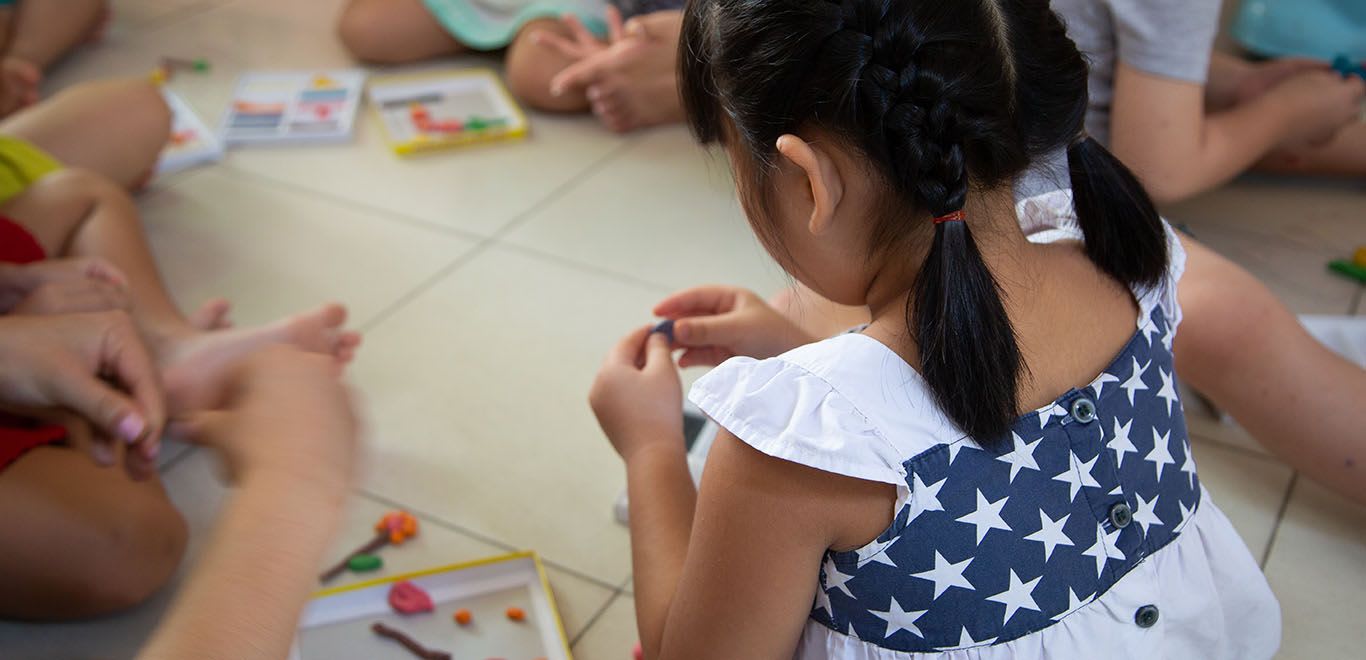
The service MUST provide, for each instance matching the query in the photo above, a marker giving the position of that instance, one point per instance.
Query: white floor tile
(477, 397)
(665, 212)
(613, 635)
(273, 252)
(1318, 571)
(1248, 488)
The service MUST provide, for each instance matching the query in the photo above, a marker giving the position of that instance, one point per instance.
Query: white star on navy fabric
(987, 516)
(1188, 466)
(823, 602)
(1135, 382)
(1074, 603)
(898, 619)
(880, 557)
(946, 574)
(956, 447)
(1099, 385)
(1021, 458)
(1168, 391)
(1146, 515)
(1185, 513)
(1017, 597)
(1050, 534)
(1161, 455)
(1112, 545)
(1149, 329)
(925, 497)
(1049, 412)
(1121, 442)
(1169, 336)
(1097, 550)
(1077, 475)
(834, 579)
(966, 641)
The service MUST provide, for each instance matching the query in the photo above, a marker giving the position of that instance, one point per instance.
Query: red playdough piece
(638, 653)
(408, 598)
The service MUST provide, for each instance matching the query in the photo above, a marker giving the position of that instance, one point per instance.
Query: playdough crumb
(516, 614)
(363, 563)
(463, 617)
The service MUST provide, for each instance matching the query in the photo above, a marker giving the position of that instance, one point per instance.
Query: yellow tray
(336, 623)
(450, 96)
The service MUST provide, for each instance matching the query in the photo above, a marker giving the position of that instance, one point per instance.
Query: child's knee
(358, 29)
(530, 68)
(131, 557)
(75, 185)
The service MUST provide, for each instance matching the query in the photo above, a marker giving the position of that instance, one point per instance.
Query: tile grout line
(492, 241)
(588, 625)
(1280, 517)
(1232, 446)
(561, 190)
(369, 209)
(586, 268)
(440, 521)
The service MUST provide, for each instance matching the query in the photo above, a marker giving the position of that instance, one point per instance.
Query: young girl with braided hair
(997, 466)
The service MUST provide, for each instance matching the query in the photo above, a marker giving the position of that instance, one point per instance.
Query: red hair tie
(956, 216)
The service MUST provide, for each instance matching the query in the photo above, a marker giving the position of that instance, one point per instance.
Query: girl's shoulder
(847, 405)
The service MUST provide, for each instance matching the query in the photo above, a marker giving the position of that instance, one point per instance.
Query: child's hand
(716, 323)
(21, 282)
(637, 396)
(93, 365)
(288, 416)
(73, 297)
(1319, 103)
(582, 43)
(1264, 76)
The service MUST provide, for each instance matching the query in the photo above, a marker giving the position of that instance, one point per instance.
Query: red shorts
(18, 435)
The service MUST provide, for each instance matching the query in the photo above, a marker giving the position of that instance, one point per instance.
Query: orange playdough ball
(516, 614)
(463, 617)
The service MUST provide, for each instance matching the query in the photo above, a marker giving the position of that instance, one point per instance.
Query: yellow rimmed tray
(336, 623)
(446, 96)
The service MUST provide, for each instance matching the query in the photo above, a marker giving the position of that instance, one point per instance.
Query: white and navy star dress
(1088, 535)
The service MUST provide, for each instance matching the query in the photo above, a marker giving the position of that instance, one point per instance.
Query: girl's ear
(824, 181)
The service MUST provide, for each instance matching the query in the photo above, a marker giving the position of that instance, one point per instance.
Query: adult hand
(1261, 77)
(581, 43)
(1319, 104)
(716, 323)
(67, 285)
(93, 365)
(288, 415)
(638, 396)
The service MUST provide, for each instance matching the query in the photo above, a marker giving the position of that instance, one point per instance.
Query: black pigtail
(1124, 233)
(968, 354)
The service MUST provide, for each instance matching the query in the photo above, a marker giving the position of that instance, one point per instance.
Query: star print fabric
(1091, 510)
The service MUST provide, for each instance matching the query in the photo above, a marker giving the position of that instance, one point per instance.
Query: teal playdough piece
(364, 563)
(1322, 29)
(491, 24)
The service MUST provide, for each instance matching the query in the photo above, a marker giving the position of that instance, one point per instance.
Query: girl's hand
(637, 396)
(1261, 77)
(716, 323)
(93, 365)
(73, 297)
(1319, 103)
(581, 43)
(20, 282)
(288, 416)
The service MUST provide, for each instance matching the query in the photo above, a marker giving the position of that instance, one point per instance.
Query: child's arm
(1160, 129)
(289, 443)
(734, 575)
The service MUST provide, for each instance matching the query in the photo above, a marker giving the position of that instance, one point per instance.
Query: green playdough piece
(201, 65)
(476, 124)
(1350, 270)
(364, 563)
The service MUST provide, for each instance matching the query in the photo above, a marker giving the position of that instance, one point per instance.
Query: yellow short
(21, 164)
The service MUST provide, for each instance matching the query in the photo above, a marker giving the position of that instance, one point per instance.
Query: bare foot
(19, 80)
(193, 369)
(212, 315)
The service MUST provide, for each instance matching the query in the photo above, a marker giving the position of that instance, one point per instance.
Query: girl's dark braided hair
(941, 96)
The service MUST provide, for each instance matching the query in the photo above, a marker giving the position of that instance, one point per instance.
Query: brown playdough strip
(408, 642)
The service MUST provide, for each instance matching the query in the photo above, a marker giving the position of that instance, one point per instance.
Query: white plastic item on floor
(1345, 335)
(192, 143)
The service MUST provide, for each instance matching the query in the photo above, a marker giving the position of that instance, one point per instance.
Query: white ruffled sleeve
(787, 412)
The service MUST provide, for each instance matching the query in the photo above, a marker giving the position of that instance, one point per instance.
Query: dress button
(1084, 411)
(1146, 616)
(1121, 515)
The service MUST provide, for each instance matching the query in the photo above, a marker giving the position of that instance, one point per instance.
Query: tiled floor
(490, 282)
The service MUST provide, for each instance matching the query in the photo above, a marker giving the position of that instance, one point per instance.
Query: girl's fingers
(580, 33)
(614, 27)
(578, 75)
(627, 351)
(127, 357)
(100, 269)
(658, 354)
(697, 301)
(562, 45)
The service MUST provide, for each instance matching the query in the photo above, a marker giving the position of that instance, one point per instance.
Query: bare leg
(80, 540)
(116, 128)
(42, 32)
(531, 66)
(1345, 156)
(77, 213)
(1252, 358)
(393, 32)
